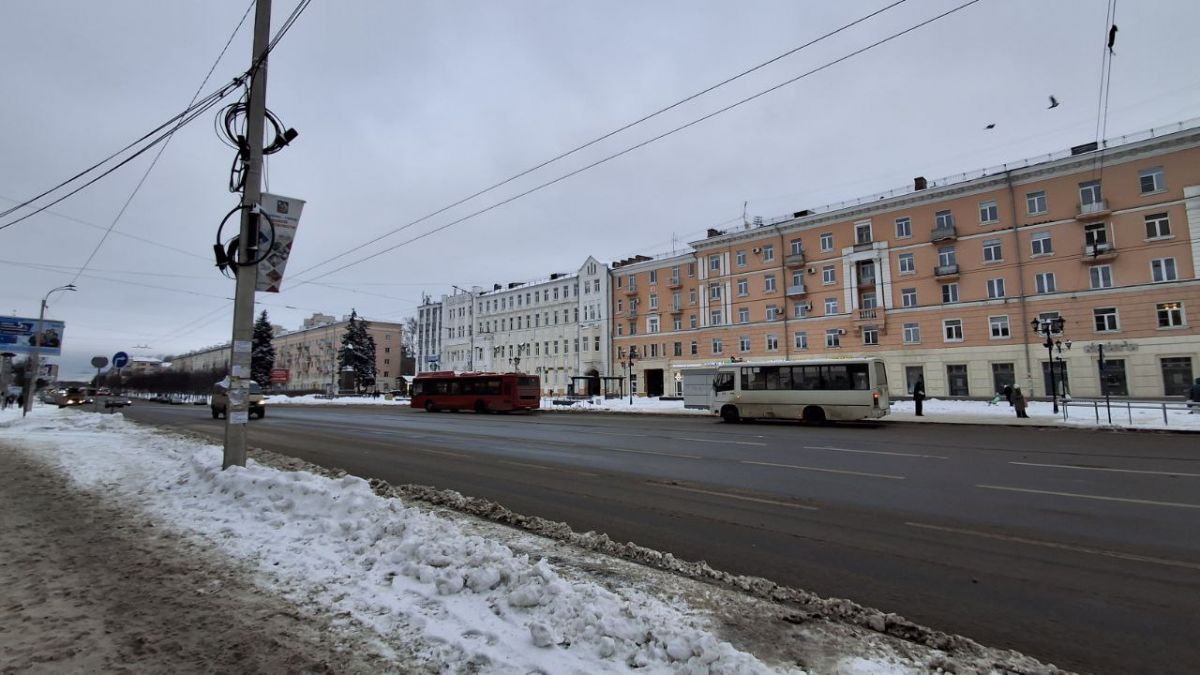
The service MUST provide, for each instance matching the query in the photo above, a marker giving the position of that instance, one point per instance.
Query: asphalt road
(1081, 548)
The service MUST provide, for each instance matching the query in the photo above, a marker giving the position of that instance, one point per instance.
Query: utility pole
(237, 415)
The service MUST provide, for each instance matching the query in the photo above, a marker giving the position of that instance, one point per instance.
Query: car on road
(72, 396)
(117, 401)
(219, 403)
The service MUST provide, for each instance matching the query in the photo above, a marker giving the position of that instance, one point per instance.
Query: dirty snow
(313, 399)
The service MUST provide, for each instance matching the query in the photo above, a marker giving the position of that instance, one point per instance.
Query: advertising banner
(17, 335)
(280, 375)
(284, 214)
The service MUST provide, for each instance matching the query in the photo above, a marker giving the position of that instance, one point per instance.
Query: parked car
(219, 403)
(117, 401)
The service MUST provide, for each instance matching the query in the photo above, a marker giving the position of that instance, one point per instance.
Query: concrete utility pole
(237, 414)
(33, 363)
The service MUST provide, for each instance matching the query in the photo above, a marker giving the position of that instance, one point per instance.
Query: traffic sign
(120, 360)
(99, 361)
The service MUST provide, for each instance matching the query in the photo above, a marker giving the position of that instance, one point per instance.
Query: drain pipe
(1012, 204)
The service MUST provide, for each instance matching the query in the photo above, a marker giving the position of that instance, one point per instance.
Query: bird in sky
(991, 126)
(1112, 38)
(1053, 102)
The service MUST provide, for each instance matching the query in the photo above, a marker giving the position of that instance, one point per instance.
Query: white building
(427, 343)
(459, 351)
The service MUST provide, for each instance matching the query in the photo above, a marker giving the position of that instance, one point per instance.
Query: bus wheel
(814, 415)
(480, 407)
(730, 414)
(428, 406)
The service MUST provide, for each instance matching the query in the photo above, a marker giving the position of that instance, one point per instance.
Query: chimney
(1086, 147)
(919, 183)
(714, 232)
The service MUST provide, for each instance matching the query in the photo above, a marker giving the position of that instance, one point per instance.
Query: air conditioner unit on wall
(841, 331)
(757, 250)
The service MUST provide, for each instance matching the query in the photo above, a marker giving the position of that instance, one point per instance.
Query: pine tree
(358, 352)
(262, 356)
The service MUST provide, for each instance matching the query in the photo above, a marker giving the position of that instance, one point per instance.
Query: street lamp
(31, 380)
(632, 357)
(1048, 328)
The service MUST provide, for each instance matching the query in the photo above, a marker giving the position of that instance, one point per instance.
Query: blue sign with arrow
(120, 360)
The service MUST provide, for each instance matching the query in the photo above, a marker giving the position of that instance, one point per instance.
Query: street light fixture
(31, 379)
(1048, 328)
(632, 357)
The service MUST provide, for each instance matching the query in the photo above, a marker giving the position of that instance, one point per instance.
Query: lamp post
(632, 357)
(31, 379)
(1048, 327)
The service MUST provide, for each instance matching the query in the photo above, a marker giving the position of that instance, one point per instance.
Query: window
(988, 213)
(798, 279)
(691, 269)
(949, 293)
(870, 336)
(769, 283)
(946, 257)
(1003, 374)
(1042, 244)
(800, 310)
(1044, 317)
(867, 300)
(827, 241)
(772, 312)
(744, 343)
(772, 343)
(1157, 225)
(1170, 314)
(908, 297)
(833, 338)
(740, 256)
(768, 253)
(903, 228)
(831, 306)
(677, 323)
(1105, 319)
(828, 275)
(797, 247)
(1035, 202)
(952, 330)
(991, 251)
(1176, 375)
(999, 327)
(1101, 276)
(692, 321)
(956, 380)
(652, 324)
(1095, 236)
(862, 233)
(678, 349)
(691, 296)
(944, 219)
(717, 346)
(714, 291)
(694, 348)
(1152, 180)
(1089, 195)
(714, 263)
(995, 288)
(801, 340)
(743, 315)
(653, 301)
(743, 287)
(907, 263)
(714, 318)
(912, 333)
(1163, 269)
(1045, 282)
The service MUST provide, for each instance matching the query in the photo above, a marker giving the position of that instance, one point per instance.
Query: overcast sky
(406, 107)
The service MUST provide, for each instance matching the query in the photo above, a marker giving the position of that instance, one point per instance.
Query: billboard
(280, 375)
(17, 335)
(284, 214)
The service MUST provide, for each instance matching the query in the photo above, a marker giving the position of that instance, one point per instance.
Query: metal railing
(1105, 409)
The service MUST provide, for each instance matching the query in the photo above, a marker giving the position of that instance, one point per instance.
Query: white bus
(813, 391)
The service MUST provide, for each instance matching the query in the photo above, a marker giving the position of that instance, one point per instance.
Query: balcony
(1098, 252)
(676, 309)
(796, 291)
(875, 317)
(866, 280)
(631, 290)
(946, 271)
(794, 260)
(944, 233)
(863, 244)
(1093, 210)
(673, 282)
(632, 312)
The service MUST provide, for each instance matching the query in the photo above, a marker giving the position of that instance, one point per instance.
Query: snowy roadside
(429, 589)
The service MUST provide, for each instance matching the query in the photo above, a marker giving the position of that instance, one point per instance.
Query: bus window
(880, 375)
(806, 378)
(860, 374)
(723, 381)
(752, 379)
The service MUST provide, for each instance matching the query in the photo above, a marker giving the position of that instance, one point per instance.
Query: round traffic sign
(99, 361)
(120, 360)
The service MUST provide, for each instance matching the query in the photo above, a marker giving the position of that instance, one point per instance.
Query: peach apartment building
(310, 354)
(953, 282)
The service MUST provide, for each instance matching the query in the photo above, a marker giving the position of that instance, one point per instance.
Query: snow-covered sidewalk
(127, 547)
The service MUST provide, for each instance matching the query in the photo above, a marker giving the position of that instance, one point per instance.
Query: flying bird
(1053, 103)
(991, 126)
(1112, 38)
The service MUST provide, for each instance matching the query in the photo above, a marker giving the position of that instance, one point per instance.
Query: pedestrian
(1194, 398)
(1008, 394)
(919, 395)
(1019, 402)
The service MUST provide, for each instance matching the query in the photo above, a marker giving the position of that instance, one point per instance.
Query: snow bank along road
(1078, 547)
(128, 549)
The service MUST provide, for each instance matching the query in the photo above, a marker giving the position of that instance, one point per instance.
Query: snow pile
(641, 404)
(1042, 412)
(314, 399)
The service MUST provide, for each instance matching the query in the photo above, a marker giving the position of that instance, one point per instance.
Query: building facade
(310, 354)
(956, 283)
(203, 360)
(427, 343)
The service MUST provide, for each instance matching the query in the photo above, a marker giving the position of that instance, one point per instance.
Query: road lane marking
(1063, 547)
(727, 495)
(814, 468)
(872, 452)
(442, 452)
(1100, 468)
(710, 440)
(545, 468)
(617, 433)
(659, 454)
(1099, 497)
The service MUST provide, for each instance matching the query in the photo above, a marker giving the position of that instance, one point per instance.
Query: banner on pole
(18, 335)
(284, 214)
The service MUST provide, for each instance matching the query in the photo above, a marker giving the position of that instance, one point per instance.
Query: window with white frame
(1158, 225)
(714, 263)
(949, 293)
(827, 241)
(718, 346)
(652, 324)
(769, 283)
(831, 306)
(797, 247)
(1152, 180)
(653, 301)
(768, 253)
(714, 291)
(800, 340)
(694, 348)
(798, 279)
(714, 318)
(740, 258)
(772, 343)
(1045, 282)
(1042, 244)
(908, 297)
(1051, 318)
(998, 325)
(907, 263)
(995, 288)
(1090, 194)
(800, 310)
(1105, 319)
(692, 321)
(677, 324)
(1170, 314)
(868, 300)
(912, 333)
(653, 277)
(1101, 276)
(828, 275)
(743, 315)
(988, 212)
(991, 251)
(862, 233)
(1095, 236)
(833, 338)
(944, 219)
(870, 336)
(744, 343)
(1163, 269)
(772, 312)
(952, 330)
(947, 257)
(904, 228)
(1035, 202)
(692, 296)
(743, 287)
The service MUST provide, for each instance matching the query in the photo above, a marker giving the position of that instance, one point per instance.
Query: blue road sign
(120, 360)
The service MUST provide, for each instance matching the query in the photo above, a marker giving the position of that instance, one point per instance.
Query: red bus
(481, 392)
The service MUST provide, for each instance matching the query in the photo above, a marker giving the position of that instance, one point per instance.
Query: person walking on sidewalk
(1019, 402)
(919, 395)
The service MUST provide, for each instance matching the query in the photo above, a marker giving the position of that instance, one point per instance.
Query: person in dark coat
(1019, 402)
(1194, 397)
(1008, 392)
(919, 395)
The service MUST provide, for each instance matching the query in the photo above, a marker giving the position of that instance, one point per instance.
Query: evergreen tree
(262, 356)
(358, 352)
